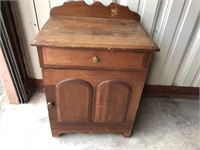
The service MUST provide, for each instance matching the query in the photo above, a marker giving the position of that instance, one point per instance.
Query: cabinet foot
(127, 133)
(56, 133)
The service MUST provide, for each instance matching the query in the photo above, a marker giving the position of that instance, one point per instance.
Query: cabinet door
(112, 101)
(73, 98)
(111, 96)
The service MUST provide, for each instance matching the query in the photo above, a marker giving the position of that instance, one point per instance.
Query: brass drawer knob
(96, 59)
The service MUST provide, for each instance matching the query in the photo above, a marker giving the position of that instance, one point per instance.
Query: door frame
(13, 73)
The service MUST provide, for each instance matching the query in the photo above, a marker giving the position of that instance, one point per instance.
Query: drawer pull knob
(96, 59)
(50, 105)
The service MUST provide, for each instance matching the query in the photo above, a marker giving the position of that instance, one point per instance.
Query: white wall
(26, 22)
(173, 25)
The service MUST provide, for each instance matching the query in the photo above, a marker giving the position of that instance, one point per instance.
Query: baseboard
(171, 91)
(150, 90)
(35, 83)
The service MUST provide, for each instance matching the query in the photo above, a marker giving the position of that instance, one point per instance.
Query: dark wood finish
(94, 33)
(73, 106)
(70, 58)
(149, 90)
(59, 129)
(94, 67)
(96, 10)
(171, 91)
(54, 76)
(95, 78)
(35, 83)
(40, 54)
(112, 101)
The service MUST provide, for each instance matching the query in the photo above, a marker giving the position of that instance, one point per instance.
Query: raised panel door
(112, 101)
(73, 98)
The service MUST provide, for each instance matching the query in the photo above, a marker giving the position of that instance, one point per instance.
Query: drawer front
(92, 59)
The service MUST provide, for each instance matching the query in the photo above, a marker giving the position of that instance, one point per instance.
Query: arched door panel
(112, 100)
(73, 98)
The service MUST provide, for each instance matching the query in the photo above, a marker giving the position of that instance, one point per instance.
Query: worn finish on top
(98, 33)
(88, 96)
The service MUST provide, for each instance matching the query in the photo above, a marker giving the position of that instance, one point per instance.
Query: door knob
(50, 105)
(96, 59)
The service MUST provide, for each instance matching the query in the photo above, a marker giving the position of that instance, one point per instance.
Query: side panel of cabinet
(112, 101)
(73, 98)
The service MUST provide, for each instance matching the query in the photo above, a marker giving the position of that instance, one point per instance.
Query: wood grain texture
(90, 33)
(73, 106)
(112, 101)
(95, 61)
(78, 58)
(96, 10)
(59, 129)
(136, 80)
(54, 76)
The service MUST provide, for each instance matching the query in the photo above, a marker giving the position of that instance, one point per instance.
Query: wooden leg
(56, 133)
(127, 133)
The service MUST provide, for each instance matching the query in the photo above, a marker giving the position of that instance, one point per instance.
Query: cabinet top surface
(94, 33)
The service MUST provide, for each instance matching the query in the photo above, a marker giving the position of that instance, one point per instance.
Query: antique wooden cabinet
(95, 60)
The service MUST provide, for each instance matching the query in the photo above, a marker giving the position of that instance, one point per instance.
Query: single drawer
(92, 59)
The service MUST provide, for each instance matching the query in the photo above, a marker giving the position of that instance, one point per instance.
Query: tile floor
(161, 124)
